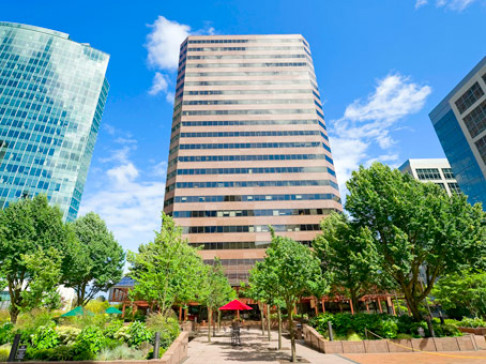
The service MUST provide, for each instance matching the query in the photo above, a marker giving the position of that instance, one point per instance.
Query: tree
(95, 262)
(416, 227)
(348, 253)
(297, 271)
(30, 229)
(464, 290)
(215, 290)
(167, 270)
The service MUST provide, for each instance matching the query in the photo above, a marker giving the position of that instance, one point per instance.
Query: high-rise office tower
(52, 94)
(460, 123)
(249, 147)
(435, 170)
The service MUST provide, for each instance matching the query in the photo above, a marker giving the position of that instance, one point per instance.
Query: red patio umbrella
(237, 306)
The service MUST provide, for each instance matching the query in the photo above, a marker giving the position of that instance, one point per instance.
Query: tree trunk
(210, 317)
(219, 320)
(14, 313)
(269, 323)
(413, 305)
(279, 314)
(290, 310)
(260, 306)
(354, 300)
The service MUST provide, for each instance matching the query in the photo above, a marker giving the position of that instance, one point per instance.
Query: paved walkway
(255, 349)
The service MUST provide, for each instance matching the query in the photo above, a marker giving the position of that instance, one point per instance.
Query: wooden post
(367, 307)
(390, 304)
(316, 307)
(351, 307)
(123, 310)
(180, 313)
(323, 305)
(186, 313)
(379, 306)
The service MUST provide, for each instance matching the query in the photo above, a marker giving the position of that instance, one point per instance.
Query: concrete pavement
(255, 349)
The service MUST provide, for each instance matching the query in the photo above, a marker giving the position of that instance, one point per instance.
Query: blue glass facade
(52, 95)
(460, 123)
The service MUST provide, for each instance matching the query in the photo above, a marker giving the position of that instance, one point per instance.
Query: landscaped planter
(175, 354)
(473, 330)
(459, 343)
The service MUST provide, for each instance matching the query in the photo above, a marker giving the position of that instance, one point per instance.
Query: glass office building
(249, 147)
(52, 94)
(460, 123)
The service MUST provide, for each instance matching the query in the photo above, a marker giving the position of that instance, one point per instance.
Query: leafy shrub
(472, 322)
(381, 324)
(404, 336)
(68, 334)
(122, 352)
(89, 342)
(97, 307)
(122, 334)
(60, 353)
(4, 352)
(352, 336)
(139, 334)
(112, 328)
(45, 337)
(168, 328)
(6, 333)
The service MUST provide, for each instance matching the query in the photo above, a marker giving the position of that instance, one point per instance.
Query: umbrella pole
(238, 314)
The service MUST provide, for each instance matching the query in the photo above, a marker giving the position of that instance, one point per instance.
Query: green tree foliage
(416, 226)
(297, 272)
(215, 290)
(94, 263)
(45, 270)
(348, 253)
(29, 229)
(167, 270)
(464, 290)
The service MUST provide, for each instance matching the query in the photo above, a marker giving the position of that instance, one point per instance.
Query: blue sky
(382, 65)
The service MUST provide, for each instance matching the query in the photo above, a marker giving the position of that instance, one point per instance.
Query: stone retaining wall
(316, 341)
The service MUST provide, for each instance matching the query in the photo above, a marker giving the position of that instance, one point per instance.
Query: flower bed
(93, 338)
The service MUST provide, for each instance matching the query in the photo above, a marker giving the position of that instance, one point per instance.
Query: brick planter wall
(316, 341)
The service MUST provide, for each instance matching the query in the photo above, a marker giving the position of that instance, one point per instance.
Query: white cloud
(164, 41)
(163, 45)
(369, 122)
(159, 84)
(129, 200)
(420, 3)
(454, 5)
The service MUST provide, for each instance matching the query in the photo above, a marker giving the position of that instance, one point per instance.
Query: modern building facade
(437, 171)
(52, 94)
(249, 147)
(460, 123)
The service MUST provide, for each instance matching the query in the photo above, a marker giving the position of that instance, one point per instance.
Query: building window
(441, 185)
(476, 120)
(454, 187)
(469, 97)
(481, 145)
(448, 174)
(428, 173)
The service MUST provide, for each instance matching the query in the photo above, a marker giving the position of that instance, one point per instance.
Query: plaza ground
(256, 349)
